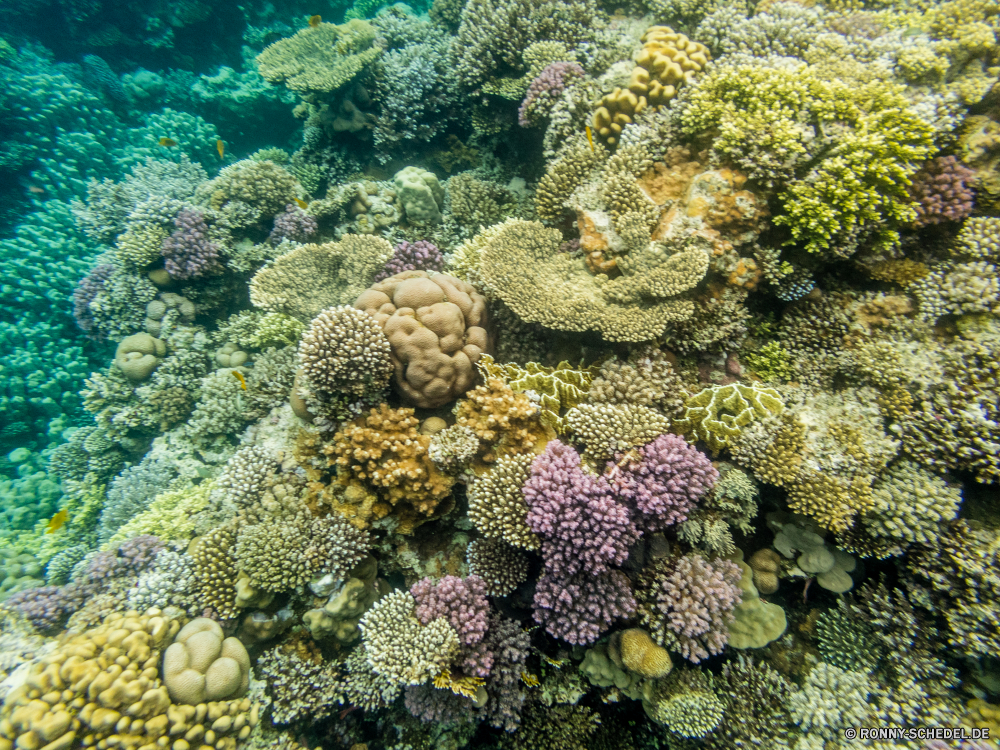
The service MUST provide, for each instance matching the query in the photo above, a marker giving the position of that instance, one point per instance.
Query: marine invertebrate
(385, 451)
(201, 665)
(580, 608)
(501, 566)
(399, 647)
(320, 59)
(504, 421)
(830, 700)
(312, 278)
(942, 192)
(607, 429)
(187, 252)
(562, 293)
(436, 326)
(496, 503)
(412, 256)
(688, 602)
(453, 448)
(462, 601)
(293, 224)
(717, 415)
(909, 504)
(301, 683)
(544, 90)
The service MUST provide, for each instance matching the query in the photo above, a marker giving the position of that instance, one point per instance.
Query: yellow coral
(504, 421)
(641, 655)
(102, 688)
(386, 451)
(320, 59)
(831, 500)
(717, 415)
(666, 62)
(558, 388)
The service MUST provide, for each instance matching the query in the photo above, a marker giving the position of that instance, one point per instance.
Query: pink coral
(942, 191)
(688, 603)
(545, 90)
(188, 253)
(294, 224)
(583, 528)
(662, 481)
(578, 609)
(461, 600)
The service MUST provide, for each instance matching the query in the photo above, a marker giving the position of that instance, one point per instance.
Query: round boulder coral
(436, 326)
(201, 665)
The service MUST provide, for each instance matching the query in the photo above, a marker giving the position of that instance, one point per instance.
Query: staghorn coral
(385, 451)
(215, 571)
(312, 278)
(646, 378)
(687, 603)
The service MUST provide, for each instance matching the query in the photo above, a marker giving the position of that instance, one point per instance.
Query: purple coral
(662, 481)
(88, 288)
(545, 90)
(688, 604)
(412, 256)
(47, 607)
(461, 600)
(188, 253)
(510, 646)
(942, 191)
(582, 526)
(432, 704)
(294, 224)
(578, 609)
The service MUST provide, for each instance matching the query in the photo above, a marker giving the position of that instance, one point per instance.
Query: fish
(57, 521)
(315, 21)
(221, 148)
(239, 376)
(168, 142)
(529, 679)
(301, 203)
(590, 137)
(35, 189)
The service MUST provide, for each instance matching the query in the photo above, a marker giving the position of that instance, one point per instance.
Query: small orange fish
(168, 142)
(221, 148)
(239, 376)
(57, 521)
(315, 21)
(300, 203)
(590, 137)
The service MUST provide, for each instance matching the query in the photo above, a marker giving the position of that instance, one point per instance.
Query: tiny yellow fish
(57, 521)
(557, 663)
(221, 148)
(529, 679)
(300, 203)
(168, 142)
(590, 137)
(239, 376)
(315, 21)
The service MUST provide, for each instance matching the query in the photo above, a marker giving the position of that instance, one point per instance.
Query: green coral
(170, 516)
(852, 191)
(558, 388)
(718, 414)
(320, 59)
(772, 362)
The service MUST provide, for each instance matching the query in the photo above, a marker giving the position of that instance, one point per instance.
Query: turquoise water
(519, 374)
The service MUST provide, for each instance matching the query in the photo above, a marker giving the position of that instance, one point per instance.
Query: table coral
(562, 293)
(313, 277)
(320, 59)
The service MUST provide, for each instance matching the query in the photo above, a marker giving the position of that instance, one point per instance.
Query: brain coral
(321, 58)
(522, 264)
(437, 328)
(314, 277)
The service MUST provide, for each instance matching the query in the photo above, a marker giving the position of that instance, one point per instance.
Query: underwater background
(522, 374)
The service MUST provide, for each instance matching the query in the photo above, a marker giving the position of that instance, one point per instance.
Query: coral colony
(514, 374)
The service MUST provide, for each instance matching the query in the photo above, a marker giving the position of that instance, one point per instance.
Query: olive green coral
(314, 277)
(561, 293)
(718, 414)
(320, 59)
